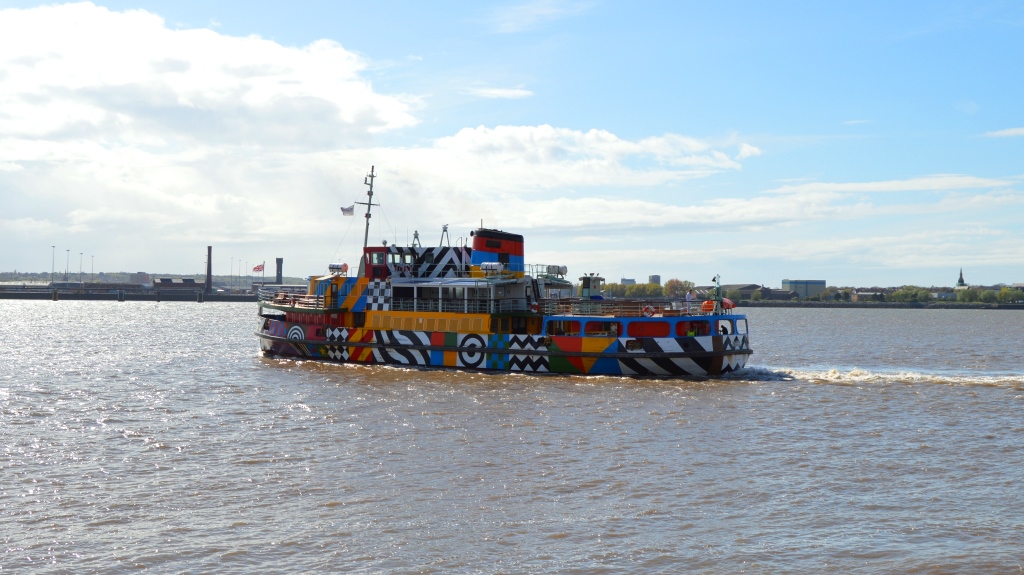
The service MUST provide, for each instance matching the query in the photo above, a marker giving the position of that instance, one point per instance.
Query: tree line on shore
(676, 288)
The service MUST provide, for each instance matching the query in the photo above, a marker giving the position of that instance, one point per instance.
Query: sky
(866, 144)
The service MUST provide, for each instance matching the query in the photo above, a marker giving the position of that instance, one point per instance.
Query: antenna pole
(368, 180)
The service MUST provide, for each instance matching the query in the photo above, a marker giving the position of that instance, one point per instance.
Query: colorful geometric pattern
(686, 356)
(378, 296)
(439, 262)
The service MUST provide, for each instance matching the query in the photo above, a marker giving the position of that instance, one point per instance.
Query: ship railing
(623, 308)
(298, 300)
(445, 305)
(545, 270)
(267, 293)
(513, 305)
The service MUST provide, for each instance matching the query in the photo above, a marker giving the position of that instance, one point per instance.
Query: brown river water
(149, 436)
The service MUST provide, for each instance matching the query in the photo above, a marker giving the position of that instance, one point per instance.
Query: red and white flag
(258, 268)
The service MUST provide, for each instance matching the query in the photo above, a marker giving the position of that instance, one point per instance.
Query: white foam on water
(865, 376)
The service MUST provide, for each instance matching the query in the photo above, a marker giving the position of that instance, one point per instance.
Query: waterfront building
(804, 288)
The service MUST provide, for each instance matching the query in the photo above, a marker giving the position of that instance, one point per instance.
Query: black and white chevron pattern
(528, 342)
(528, 363)
(435, 262)
(523, 361)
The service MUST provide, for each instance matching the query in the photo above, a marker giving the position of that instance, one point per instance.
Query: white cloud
(502, 93)
(521, 17)
(748, 151)
(118, 130)
(856, 122)
(78, 71)
(939, 182)
(149, 143)
(1006, 133)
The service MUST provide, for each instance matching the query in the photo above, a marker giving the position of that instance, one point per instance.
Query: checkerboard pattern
(378, 296)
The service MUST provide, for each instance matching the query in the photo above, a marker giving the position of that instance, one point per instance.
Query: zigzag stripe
(526, 342)
(528, 363)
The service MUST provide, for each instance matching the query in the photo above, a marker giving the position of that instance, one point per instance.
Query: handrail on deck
(625, 308)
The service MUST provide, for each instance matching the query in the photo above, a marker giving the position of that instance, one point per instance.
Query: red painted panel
(648, 329)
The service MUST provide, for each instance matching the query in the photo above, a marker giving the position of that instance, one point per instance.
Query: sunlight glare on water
(152, 435)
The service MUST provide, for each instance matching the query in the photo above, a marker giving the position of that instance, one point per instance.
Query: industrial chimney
(208, 288)
(280, 262)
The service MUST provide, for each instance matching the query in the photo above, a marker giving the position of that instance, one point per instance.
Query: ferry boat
(480, 307)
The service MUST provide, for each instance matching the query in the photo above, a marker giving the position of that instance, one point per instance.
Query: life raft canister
(648, 311)
(707, 306)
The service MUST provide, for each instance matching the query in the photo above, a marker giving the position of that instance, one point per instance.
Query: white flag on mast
(349, 211)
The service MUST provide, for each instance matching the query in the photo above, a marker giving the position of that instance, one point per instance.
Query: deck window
(603, 329)
(563, 327)
(724, 327)
(648, 329)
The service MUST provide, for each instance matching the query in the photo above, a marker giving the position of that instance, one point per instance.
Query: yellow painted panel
(450, 359)
(353, 297)
(429, 324)
(594, 345)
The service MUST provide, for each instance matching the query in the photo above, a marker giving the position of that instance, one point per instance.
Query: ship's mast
(368, 180)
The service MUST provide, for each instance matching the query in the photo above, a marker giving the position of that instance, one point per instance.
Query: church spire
(960, 282)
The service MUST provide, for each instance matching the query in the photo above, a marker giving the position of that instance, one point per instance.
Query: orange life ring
(535, 307)
(648, 311)
(707, 306)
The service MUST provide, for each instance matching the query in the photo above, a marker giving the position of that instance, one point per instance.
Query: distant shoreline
(192, 296)
(881, 304)
(187, 295)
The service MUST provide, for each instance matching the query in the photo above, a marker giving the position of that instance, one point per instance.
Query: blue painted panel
(360, 304)
(478, 257)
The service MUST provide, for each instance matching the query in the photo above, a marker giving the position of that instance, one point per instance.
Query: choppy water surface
(152, 435)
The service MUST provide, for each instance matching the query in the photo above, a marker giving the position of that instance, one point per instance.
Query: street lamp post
(80, 256)
(53, 261)
(67, 265)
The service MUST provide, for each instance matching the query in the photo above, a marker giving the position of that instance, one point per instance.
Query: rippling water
(152, 435)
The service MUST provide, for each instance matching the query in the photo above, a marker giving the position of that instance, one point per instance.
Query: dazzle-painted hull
(698, 356)
(478, 306)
